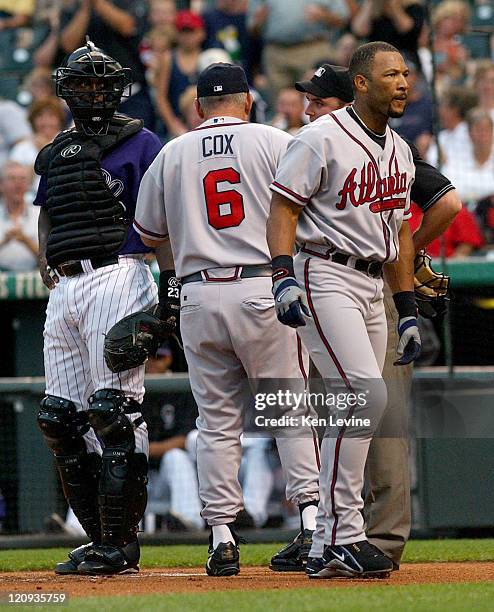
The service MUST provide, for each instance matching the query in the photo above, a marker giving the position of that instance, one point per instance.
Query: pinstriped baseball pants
(81, 309)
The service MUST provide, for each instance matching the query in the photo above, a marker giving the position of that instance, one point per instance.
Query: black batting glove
(168, 308)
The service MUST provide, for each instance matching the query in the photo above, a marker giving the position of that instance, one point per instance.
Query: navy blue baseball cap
(329, 82)
(222, 79)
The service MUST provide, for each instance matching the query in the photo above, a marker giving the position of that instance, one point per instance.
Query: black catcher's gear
(63, 428)
(122, 490)
(87, 219)
(136, 337)
(92, 83)
(107, 559)
(76, 557)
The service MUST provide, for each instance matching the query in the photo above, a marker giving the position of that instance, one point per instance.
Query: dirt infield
(194, 580)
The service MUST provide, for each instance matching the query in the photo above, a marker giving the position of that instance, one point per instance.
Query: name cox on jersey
(379, 193)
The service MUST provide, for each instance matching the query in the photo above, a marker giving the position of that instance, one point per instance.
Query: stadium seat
(483, 17)
(9, 86)
(478, 44)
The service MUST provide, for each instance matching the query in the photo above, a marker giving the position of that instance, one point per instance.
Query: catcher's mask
(92, 83)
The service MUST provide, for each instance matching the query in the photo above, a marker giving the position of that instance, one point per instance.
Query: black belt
(72, 268)
(240, 272)
(371, 268)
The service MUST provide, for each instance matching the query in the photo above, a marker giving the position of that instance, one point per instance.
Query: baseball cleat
(224, 560)
(357, 560)
(315, 568)
(76, 557)
(107, 560)
(293, 557)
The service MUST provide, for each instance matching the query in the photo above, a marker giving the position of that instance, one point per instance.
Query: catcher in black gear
(92, 261)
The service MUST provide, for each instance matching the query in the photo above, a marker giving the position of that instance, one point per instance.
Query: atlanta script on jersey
(355, 193)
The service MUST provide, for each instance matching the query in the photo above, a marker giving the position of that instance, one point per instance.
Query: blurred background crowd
(449, 48)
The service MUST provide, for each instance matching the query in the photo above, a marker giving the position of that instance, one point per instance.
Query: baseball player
(343, 192)
(209, 191)
(93, 264)
(387, 504)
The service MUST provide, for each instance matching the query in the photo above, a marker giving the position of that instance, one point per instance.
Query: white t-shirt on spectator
(15, 255)
(13, 127)
(472, 182)
(25, 153)
(453, 143)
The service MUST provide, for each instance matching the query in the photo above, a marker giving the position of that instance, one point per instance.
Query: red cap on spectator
(187, 20)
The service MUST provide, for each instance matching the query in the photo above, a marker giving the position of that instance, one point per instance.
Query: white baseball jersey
(209, 190)
(355, 194)
(212, 211)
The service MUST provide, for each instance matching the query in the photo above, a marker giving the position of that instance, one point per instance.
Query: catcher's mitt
(136, 337)
(431, 288)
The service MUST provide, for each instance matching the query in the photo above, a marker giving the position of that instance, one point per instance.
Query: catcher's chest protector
(87, 219)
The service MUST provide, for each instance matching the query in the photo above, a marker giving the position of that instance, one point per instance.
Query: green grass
(413, 598)
(251, 554)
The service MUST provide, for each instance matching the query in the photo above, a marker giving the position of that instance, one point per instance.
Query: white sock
(221, 533)
(309, 517)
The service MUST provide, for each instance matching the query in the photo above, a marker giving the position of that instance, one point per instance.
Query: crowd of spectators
(166, 43)
(18, 219)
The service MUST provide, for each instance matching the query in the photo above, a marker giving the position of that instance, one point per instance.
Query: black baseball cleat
(76, 557)
(224, 560)
(315, 568)
(107, 560)
(293, 557)
(357, 560)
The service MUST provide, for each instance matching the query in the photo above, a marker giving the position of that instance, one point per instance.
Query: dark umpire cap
(329, 82)
(222, 79)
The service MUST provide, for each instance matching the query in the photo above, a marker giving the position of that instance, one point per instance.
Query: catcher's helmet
(92, 83)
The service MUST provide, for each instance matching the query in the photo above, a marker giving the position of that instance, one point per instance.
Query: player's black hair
(364, 55)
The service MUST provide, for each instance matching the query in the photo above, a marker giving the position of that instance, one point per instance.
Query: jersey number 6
(225, 208)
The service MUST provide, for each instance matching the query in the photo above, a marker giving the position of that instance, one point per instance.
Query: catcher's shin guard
(63, 429)
(122, 490)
